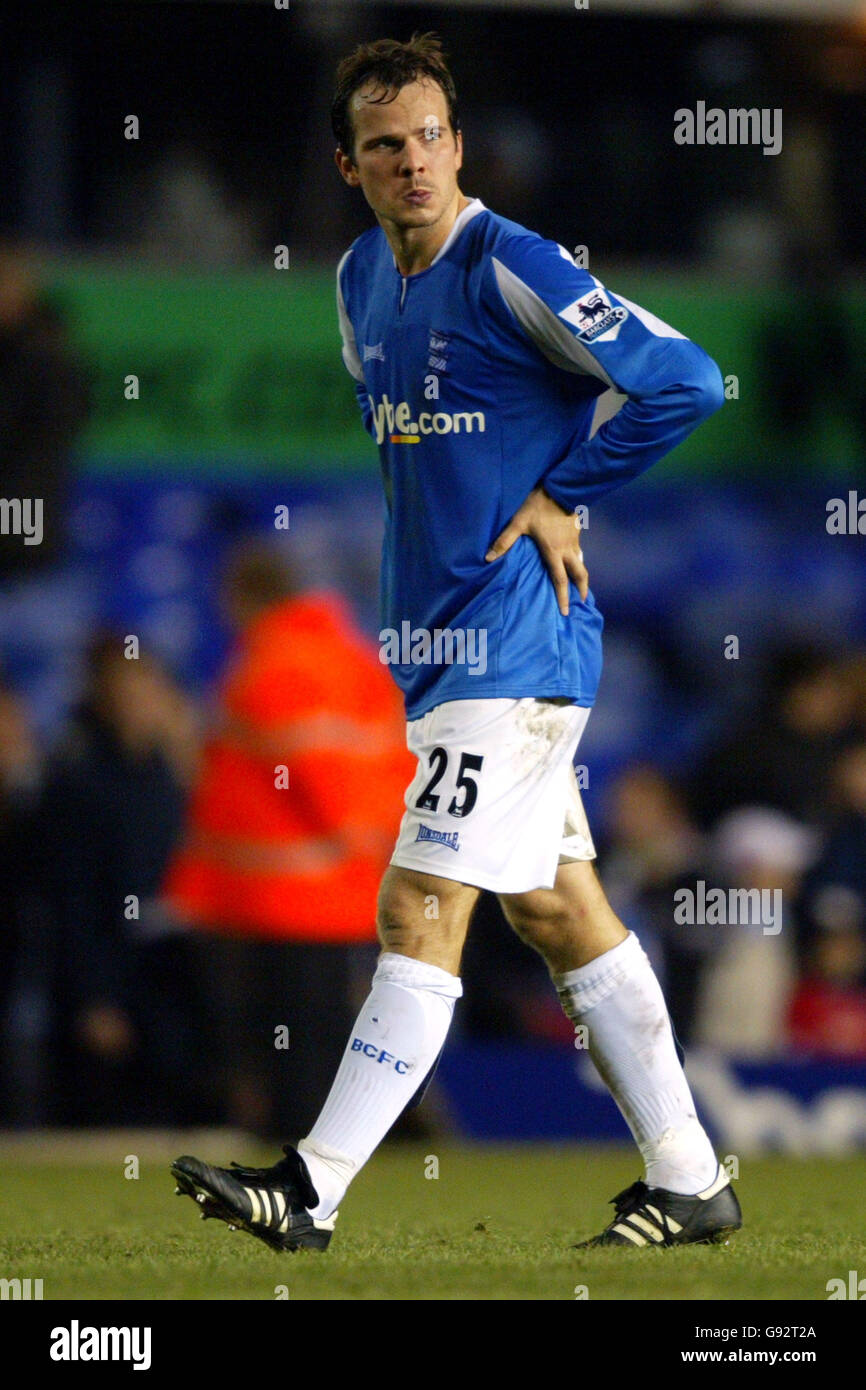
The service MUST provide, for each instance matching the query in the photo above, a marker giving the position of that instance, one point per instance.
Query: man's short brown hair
(391, 66)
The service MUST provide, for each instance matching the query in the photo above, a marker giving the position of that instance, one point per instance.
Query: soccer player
(505, 387)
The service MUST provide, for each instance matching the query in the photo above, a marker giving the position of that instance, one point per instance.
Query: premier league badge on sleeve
(595, 317)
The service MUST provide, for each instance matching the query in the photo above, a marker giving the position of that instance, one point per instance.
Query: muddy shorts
(495, 800)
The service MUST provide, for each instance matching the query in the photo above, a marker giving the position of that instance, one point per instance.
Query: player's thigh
(424, 916)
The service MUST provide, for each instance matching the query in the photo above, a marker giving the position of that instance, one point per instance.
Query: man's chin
(407, 215)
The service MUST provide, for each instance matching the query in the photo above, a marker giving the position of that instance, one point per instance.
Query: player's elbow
(705, 388)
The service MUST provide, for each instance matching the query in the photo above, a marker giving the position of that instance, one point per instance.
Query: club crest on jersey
(595, 317)
(437, 351)
(374, 353)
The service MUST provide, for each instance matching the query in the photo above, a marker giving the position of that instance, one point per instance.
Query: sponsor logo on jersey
(376, 352)
(595, 317)
(401, 427)
(379, 1054)
(442, 837)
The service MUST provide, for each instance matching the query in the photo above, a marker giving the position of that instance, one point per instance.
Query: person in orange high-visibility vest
(290, 826)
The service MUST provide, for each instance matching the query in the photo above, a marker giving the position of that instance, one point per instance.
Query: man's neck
(415, 248)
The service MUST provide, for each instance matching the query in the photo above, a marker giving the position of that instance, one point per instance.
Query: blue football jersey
(502, 366)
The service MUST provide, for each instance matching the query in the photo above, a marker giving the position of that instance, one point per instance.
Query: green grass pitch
(497, 1223)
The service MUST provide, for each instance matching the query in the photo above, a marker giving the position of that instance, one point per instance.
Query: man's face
(404, 145)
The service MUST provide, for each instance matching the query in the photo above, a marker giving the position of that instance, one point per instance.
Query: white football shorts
(495, 801)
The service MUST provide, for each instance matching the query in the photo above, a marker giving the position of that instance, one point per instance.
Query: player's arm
(659, 386)
(351, 356)
(666, 384)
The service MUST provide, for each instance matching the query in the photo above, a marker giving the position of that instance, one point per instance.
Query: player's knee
(537, 919)
(402, 902)
(414, 909)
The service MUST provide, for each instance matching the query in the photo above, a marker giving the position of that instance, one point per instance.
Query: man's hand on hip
(557, 535)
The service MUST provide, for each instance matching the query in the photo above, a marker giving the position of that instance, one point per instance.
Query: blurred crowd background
(159, 919)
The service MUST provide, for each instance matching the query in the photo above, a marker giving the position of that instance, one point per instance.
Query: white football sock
(396, 1039)
(630, 1039)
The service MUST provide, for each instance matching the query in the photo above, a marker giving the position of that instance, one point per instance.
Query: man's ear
(458, 141)
(346, 167)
